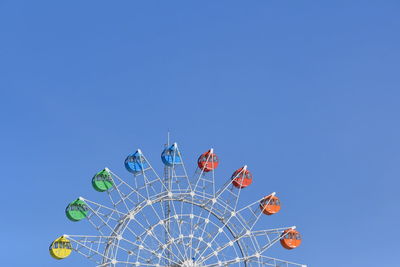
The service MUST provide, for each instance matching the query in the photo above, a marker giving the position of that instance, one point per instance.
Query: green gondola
(102, 181)
(77, 210)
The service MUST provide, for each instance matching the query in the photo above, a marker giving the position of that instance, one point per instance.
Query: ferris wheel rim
(167, 197)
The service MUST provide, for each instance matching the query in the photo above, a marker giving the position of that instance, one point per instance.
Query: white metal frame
(176, 221)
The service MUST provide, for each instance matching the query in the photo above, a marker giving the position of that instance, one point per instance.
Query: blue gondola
(170, 156)
(135, 163)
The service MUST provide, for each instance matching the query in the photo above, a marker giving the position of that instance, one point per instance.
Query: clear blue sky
(304, 92)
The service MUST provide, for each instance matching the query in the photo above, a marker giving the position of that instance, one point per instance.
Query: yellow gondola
(60, 248)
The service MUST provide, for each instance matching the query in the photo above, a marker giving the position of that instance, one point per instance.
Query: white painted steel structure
(176, 221)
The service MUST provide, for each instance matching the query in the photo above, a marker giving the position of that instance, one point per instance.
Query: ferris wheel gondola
(76, 210)
(290, 239)
(242, 178)
(208, 161)
(60, 248)
(270, 204)
(102, 181)
(135, 163)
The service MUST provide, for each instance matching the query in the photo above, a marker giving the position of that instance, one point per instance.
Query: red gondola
(208, 161)
(290, 239)
(242, 178)
(270, 204)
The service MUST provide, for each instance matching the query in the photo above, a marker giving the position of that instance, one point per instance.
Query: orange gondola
(208, 161)
(270, 204)
(242, 178)
(290, 239)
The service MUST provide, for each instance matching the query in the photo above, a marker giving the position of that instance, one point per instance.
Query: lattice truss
(175, 220)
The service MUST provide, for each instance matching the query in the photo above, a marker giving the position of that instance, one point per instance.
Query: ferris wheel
(175, 220)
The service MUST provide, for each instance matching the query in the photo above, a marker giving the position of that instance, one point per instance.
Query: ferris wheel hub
(188, 263)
